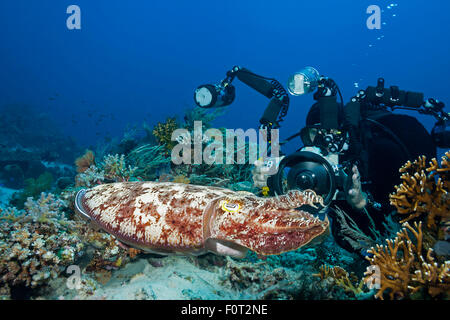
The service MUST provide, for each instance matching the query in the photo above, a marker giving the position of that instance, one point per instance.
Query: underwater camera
(333, 139)
(317, 165)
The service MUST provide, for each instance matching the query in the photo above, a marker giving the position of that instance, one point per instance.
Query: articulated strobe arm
(223, 94)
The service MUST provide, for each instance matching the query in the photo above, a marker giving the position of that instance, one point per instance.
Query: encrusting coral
(407, 268)
(424, 190)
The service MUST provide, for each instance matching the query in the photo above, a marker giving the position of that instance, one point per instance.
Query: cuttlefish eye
(229, 206)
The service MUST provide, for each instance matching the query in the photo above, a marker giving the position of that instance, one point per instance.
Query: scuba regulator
(336, 140)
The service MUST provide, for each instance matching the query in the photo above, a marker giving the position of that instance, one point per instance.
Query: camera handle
(394, 98)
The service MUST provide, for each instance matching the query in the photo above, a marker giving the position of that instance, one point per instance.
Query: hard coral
(89, 178)
(46, 208)
(35, 246)
(407, 268)
(112, 168)
(116, 169)
(424, 190)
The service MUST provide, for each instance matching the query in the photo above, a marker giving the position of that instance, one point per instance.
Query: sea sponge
(424, 190)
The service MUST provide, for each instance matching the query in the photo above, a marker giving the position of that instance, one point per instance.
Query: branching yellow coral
(424, 190)
(405, 270)
(342, 278)
(163, 132)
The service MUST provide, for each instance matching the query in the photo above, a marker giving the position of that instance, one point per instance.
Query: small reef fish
(175, 218)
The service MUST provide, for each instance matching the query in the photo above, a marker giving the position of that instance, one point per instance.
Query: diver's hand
(355, 196)
(264, 169)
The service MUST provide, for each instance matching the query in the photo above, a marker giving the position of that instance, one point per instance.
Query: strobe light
(214, 96)
(304, 81)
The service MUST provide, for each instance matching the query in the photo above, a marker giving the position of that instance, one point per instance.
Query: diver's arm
(355, 196)
(264, 169)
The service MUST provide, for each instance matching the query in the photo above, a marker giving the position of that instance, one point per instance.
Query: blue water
(136, 61)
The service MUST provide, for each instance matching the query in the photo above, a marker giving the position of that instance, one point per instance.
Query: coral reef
(85, 161)
(163, 133)
(408, 269)
(35, 246)
(348, 282)
(38, 242)
(115, 168)
(89, 178)
(112, 168)
(424, 191)
(263, 280)
(149, 161)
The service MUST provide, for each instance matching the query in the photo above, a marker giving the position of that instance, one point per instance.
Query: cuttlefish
(173, 218)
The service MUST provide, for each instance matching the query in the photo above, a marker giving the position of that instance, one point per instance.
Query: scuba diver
(351, 153)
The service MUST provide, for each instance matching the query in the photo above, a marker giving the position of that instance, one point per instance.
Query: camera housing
(335, 143)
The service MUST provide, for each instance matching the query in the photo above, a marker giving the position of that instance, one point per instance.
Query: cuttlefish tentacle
(175, 218)
(295, 199)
